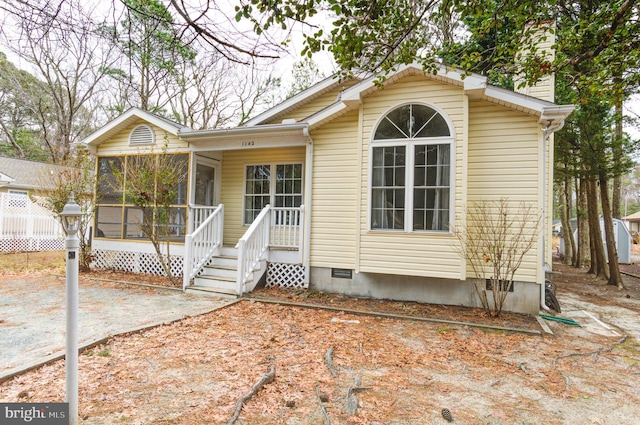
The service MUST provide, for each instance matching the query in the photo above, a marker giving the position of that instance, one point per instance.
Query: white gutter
(308, 175)
(226, 133)
(551, 128)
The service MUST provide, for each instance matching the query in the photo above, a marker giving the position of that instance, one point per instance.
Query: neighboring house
(349, 187)
(25, 225)
(632, 222)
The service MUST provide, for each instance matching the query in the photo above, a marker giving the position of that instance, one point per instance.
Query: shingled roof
(24, 174)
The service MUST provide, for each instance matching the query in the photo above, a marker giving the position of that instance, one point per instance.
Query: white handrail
(202, 244)
(286, 227)
(198, 214)
(253, 246)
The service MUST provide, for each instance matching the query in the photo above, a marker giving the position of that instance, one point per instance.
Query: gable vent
(142, 135)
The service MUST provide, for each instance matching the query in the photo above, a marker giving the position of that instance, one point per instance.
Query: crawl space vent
(142, 135)
(342, 273)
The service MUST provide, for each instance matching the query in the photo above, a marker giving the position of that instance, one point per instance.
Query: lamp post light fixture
(71, 215)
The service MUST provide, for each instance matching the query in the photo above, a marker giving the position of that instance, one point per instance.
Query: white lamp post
(71, 214)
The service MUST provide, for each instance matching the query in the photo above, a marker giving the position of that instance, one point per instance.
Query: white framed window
(411, 170)
(18, 199)
(279, 185)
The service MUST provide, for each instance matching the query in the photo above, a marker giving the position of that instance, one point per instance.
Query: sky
(283, 67)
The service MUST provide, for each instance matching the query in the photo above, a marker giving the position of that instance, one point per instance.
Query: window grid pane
(431, 187)
(288, 186)
(388, 188)
(257, 187)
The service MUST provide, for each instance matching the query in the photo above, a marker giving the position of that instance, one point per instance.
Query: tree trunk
(583, 255)
(615, 278)
(617, 156)
(598, 260)
(565, 219)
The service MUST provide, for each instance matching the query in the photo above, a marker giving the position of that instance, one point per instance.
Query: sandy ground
(382, 371)
(33, 315)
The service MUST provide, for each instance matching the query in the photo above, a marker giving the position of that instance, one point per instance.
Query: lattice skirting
(31, 244)
(136, 262)
(286, 276)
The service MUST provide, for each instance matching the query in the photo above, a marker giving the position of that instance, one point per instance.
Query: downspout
(308, 174)
(546, 132)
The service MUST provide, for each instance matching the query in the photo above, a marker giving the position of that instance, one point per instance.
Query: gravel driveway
(33, 316)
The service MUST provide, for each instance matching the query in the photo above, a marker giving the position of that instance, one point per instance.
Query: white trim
(360, 193)
(474, 85)
(302, 97)
(216, 164)
(410, 145)
(306, 232)
(238, 133)
(5, 179)
(128, 118)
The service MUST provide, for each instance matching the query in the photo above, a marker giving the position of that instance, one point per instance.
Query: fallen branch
(327, 421)
(352, 400)
(266, 379)
(328, 359)
(591, 353)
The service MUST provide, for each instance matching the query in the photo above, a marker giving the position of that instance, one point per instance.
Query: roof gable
(127, 119)
(474, 85)
(304, 97)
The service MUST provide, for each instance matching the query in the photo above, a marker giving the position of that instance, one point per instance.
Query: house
(26, 225)
(349, 187)
(632, 221)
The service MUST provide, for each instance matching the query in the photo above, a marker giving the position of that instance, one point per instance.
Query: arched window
(411, 157)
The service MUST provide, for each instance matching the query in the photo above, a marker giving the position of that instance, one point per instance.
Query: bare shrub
(494, 242)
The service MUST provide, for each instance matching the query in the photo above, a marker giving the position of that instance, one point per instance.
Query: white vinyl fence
(27, 226)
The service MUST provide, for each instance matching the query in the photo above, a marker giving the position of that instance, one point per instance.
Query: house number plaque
(72, 255)
(248, 143)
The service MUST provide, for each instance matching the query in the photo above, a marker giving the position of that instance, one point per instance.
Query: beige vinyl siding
(314, 106)
(232, 191)
(335, 193)
(504, 163)
(545, 88)
(430, 254)
(119, 144)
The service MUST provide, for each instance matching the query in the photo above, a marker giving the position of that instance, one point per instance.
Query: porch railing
(202, 244)
(198, 214)
(26, 225)
(275, 227)
(286, 227)
(253, 247)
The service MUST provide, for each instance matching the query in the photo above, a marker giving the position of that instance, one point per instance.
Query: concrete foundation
(524, 299)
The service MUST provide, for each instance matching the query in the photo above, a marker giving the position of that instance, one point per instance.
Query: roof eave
(306, 95)
(298, 128)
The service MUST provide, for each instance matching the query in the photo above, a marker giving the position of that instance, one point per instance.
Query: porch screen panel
(257, 191)
(109, 222)
(133, 221)
(388, 187)
(119, 218)
(109, 190)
